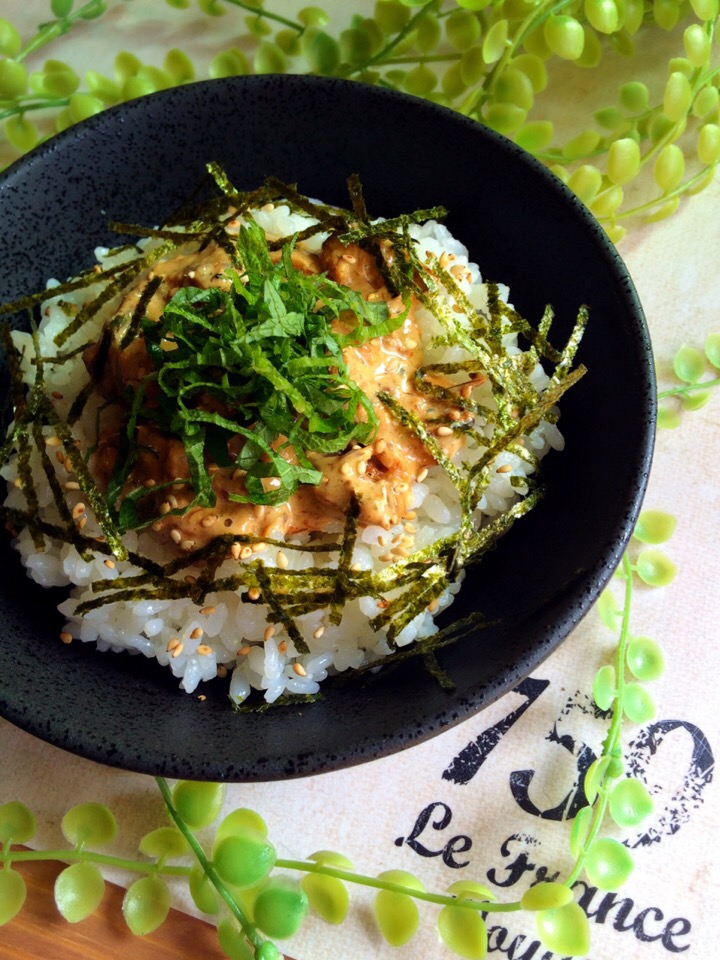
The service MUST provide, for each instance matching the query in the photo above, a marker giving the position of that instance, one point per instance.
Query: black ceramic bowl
(522, 226)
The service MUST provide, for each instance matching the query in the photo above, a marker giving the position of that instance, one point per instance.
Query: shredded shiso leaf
(269, 327)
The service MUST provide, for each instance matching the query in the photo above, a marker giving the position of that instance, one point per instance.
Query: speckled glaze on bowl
(133, 163)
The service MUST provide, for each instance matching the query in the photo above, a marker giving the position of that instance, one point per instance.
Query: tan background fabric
(667, 906)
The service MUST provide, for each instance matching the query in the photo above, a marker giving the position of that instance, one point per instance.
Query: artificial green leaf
(233, 941)
(13, 891)
(396, 914)
(608, 864)
(579, 831)
(630, 803)
(655, 568)
(17, 823)
(654, 526)
(328, 896)
(605, 687)
(645, 659)
(79, 890)
(89, 824)
(243, 859)
(146, 904)
(198, 803)
(280, 908)
(689, 364)
(10, 39)
(608, 609)
(594, 777)
(638, 704)
(696, 400)
(470, 890)
(203, 892)
(164, 843)
(565, 930)
(240, 821)
(463, 931)
(712, 349)
(546, 896)
(668, 418)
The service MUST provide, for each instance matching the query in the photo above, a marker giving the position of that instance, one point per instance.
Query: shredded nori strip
(342, 578)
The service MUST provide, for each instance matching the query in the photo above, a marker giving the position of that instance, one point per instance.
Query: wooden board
(38, 932)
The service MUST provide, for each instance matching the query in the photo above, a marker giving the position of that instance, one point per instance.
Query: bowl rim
(36, 723)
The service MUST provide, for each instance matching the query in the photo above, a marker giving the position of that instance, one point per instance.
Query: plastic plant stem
(248, 928)
(377, 884)
(612, 739)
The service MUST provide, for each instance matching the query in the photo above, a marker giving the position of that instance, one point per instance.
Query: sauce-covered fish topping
(247, 399)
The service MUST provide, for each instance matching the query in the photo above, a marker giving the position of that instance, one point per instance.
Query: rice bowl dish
(278, 609)
(523, 227)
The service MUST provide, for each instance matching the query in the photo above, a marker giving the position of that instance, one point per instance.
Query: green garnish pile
(265, 351)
